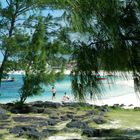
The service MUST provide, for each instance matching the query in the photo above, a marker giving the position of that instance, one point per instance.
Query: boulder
(40, 124)
(137, 108)
(3, 114)
(54, 117)
(49, 111)
(115, 106)
(31, 132)
(21, 130)
(48, 132)
(104, 108)
(29, 119)
(37, 104)
(20, 110)
(91, 132)
(53, 121)
(99, 120)
(64, 118)
(77, 124)
(52, 104)
(70, 116)
(90, 113)
(35, 109)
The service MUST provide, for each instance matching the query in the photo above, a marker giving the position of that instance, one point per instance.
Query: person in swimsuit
(65, 97)
(53, 93)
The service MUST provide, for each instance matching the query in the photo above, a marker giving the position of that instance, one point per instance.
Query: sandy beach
(128, 99)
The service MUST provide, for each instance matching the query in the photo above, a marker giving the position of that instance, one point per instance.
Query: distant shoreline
(68, 72)
(21, 72)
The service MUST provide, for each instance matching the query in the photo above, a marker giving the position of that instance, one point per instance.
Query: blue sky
(55, 13)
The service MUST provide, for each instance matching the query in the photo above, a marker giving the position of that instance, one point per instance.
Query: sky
(54, 13)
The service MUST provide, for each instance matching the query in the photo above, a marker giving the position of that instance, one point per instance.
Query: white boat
(8, 79)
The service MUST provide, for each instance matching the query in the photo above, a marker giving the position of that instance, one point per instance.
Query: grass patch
(126, 118)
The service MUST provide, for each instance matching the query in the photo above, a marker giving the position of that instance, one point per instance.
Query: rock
(3, 111)
(34, 109)
(3, 114)
(77, 124)
(34, 135)
(54, 117)
(53, 121)
(101, 114)
(115, 106)
(70, 112)
(48, 132)
(91, 132)
(137, 108)
(71, 108)
(20, 130)
(75, 104)
(70, 116)
(26, 130)
(49, 111)
(17, 109)
(40, 124)
(40, 110)
(99, 120)
(37, 109)
(69, 104)
(1, 136)
(113, 134)
(96, 106)
(37, 104)
(131, 105)
(64, 118)
(122, 105)
(8, 105)
(51, 104)
(92, 112)
(31, 132)
(29, 119)
(80, 116)
(104, 108)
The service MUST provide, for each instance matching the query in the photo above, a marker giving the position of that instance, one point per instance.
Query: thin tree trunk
(2, 67)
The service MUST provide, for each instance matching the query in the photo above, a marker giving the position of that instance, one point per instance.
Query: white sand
(127, 100)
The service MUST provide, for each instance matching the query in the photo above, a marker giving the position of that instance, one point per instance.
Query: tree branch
(8, 2)
(92, 43)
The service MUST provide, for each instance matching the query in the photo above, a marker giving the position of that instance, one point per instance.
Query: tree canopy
(111, 26)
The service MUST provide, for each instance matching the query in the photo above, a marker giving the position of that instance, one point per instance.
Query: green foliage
(38, 57)
(84, 79)
(113, 27)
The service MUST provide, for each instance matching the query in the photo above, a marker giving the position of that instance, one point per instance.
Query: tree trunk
(3, 65)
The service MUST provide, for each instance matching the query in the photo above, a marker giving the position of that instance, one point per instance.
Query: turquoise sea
(9, 91)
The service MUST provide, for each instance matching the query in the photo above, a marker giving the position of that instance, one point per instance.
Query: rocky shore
(68, 121)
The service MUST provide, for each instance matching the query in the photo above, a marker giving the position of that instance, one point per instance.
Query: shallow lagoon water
(10, 90)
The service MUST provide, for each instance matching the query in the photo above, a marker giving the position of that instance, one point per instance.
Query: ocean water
(9, 91)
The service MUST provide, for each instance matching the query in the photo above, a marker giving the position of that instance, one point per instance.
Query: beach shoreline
(129, 100)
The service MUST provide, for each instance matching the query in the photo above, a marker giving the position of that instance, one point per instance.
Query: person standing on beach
(53, 93)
